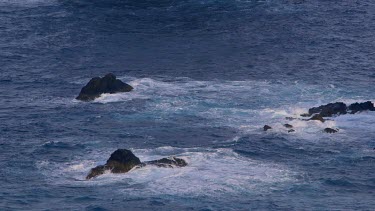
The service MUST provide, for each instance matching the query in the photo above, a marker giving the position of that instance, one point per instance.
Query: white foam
(209, 173)
(243, 105)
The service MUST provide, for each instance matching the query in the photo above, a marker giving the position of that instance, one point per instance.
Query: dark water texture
(207, 75)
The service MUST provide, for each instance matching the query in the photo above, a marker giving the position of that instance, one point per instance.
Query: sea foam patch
(244, 105)
(210, 172)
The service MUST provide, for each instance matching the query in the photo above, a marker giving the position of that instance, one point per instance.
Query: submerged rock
(267, 127)
(123, 160)
(290, 118)
(291, 131)
(330, 130)
(97, 86)
(288, 126)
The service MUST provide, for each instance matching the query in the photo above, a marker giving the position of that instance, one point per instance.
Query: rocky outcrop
(123, 160)
(358, 107)
(338, 108)
(167, 162)
(330, 130)
(328, 110)
(267, 127)
(97, 86)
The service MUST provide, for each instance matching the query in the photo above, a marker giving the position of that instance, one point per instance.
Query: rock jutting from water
(267, 127)
(97, 86)
(330, 130)
(123, 160)
(358, 107)
(317, 117)
(338, 108)
(328, 110)
(288, 126)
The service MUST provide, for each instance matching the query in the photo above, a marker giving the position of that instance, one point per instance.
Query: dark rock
(317, 117)
(330, 130)
(329, 110)
(291, 131)
(266, 127)
(97, 86)
(288, 126)
(99, 170)
(123, 160)
(338, 108)
(358, 107)
(167, 162)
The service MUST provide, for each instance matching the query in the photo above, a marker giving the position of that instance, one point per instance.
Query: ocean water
(207, 76)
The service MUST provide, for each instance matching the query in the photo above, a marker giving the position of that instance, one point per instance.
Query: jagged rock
(338, 108)
(97, 86)
(330, 130)
(123, 160)
(317, 117)
(358, 107)
(267, 127)
(328, 110)
(291, 131)
(167, 162)
(288, 126)
(99, 170)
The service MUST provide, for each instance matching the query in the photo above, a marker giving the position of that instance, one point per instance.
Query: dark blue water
(207, 76)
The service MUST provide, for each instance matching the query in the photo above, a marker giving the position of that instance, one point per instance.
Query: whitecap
(211, 173)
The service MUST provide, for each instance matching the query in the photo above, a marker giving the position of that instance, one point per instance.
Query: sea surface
(207, 76)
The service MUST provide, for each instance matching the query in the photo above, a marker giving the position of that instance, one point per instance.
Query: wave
(243, 105)
(209, 173)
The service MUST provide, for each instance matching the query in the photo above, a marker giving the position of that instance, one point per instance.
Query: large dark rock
(338, 108)
(358, 107)
(123, 160)
(329, 110)
(97, 86)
